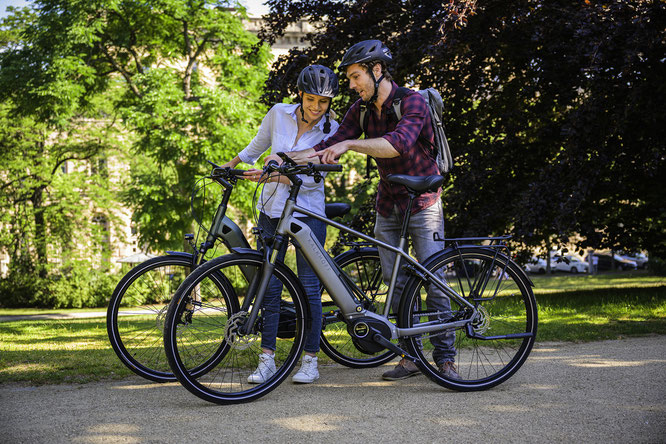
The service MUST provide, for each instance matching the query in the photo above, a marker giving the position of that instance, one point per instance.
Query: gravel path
(611, 391)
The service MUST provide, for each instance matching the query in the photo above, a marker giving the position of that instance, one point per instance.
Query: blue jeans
(271, 304)
(421, 227)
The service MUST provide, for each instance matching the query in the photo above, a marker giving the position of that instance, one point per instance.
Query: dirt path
(611, 391)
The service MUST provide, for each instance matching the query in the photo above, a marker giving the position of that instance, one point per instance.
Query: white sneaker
(264, 371)
(308, 372)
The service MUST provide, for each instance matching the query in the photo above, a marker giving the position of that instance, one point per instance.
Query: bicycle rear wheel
(363, 267)
(491, 347)
(201, 321)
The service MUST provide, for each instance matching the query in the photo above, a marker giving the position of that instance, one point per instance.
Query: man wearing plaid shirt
(398, 147)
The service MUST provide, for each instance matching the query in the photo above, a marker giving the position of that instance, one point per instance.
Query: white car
(640, 259)
(569, 263)
(536, 265)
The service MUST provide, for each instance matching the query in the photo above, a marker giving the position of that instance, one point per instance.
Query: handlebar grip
(235, 172)
(328, 167)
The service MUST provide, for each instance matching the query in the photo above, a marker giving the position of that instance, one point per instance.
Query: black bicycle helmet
(318, 80)
(366, 51)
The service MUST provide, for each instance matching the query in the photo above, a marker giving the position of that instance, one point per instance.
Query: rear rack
(496, 243)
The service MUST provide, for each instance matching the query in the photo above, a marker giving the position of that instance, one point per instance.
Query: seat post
(408, 216)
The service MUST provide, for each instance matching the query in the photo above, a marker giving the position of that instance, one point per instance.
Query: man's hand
(331, 154)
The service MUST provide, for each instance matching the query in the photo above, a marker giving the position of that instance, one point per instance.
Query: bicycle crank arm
(381, 340)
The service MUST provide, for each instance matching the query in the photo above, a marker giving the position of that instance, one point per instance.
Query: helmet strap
(303, 112)
(377, 82)
(327, 124)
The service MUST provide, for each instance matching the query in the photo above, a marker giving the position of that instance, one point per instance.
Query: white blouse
(278, 131)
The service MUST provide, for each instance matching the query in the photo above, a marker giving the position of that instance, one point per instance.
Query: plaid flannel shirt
(415, 155)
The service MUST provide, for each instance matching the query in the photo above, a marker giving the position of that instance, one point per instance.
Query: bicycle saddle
(417, 184)
(337, 209)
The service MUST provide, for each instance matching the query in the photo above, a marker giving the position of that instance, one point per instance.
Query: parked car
(640, 259)
(569, 263)
(536, 265)
(605, 262)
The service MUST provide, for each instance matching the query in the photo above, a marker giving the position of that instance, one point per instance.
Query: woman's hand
(232, 163)
(253, 174)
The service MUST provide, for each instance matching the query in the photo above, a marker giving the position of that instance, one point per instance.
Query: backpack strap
(397, 101)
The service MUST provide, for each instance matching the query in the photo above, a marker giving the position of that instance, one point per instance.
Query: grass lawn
(571, 308)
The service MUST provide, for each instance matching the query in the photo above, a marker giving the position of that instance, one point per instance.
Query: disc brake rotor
(234, 338)
(481, 321)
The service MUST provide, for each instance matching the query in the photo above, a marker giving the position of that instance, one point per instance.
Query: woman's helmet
(318, 80)
(366, 51)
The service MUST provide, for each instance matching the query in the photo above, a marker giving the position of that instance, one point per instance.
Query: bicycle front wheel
(496, 342)
(202, 322)
(364, 269)
(136, 312)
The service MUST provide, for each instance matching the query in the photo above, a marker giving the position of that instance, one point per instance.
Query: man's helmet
(318, 80)
(366, 51)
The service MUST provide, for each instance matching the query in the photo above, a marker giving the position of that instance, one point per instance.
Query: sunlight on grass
(571, 308)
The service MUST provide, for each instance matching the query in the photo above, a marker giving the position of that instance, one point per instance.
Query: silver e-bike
(218, 311)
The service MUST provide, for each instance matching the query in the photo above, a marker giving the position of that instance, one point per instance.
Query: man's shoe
(403, 370)
(308, 372)
(448, 370)
(264, 371)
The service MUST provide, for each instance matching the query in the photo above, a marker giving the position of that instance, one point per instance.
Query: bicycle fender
(180, 254)
(242, 250)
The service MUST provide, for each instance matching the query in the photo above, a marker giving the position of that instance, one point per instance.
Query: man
(399, 147)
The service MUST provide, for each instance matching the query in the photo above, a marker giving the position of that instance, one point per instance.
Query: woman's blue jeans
(271, 304)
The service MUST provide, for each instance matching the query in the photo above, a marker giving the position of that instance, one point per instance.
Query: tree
(553, 109)
(187, 78)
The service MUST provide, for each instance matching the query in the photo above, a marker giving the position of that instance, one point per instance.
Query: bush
(77, 286)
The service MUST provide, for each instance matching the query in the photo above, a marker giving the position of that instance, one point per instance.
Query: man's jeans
(271, 304)
(421, 227)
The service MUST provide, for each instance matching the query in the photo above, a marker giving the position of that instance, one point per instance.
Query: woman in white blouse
(289, 128)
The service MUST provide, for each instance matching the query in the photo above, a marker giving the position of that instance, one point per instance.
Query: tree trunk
(37, 200)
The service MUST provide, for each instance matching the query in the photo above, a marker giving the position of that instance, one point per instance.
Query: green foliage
(185, 77)
(553, 109)
(178, 81)
(75, 285)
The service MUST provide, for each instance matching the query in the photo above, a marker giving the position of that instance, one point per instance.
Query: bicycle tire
(135, 328)
(193, 328)
(505, 304)
(362, 265)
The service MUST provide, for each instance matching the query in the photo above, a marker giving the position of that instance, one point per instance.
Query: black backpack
(440, 149)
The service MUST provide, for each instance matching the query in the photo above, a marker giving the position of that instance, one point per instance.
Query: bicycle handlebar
(309, 169)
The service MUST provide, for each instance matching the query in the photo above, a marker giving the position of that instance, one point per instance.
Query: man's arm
(378, 147)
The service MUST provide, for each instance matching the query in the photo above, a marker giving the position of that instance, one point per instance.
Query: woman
(289, 128)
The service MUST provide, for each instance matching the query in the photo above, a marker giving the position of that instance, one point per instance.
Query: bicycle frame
(333, 279)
